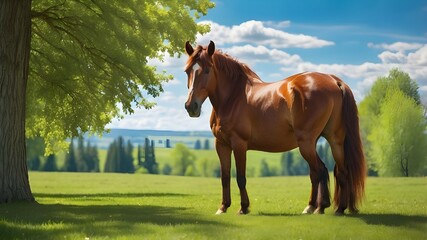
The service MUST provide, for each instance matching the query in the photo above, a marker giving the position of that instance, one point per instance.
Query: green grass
(137, 206)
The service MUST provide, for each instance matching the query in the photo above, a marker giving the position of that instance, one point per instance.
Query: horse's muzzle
(193, 108)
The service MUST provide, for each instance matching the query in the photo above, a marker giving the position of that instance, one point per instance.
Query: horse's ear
(211, 48)
(188, 48)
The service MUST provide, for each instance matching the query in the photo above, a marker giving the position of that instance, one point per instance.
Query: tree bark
(15, 38)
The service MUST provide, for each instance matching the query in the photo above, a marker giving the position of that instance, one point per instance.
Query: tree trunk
(15, 37)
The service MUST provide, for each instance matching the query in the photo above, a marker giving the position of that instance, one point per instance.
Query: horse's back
(310, 82)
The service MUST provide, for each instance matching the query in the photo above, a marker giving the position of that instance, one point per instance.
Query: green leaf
(89, 60)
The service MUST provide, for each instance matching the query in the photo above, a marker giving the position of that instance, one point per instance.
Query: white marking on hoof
(319, 211)
(219, 212)
(309, 210)
(243, 212)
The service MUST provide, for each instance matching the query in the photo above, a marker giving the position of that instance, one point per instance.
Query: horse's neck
(227, 93)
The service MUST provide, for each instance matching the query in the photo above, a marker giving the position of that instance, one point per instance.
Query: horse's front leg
(224, 154)
(239, 151)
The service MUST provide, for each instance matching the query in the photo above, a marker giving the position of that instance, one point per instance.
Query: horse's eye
(207, 71)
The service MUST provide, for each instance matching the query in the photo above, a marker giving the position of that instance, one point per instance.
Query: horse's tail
(354, 159)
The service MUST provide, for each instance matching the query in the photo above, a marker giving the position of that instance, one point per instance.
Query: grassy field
(125, 206)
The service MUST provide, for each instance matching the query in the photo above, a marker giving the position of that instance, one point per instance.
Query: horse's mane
(233, 68)
(238, 75)
(225, 63)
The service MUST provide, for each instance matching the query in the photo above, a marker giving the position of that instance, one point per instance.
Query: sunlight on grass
(126, 206)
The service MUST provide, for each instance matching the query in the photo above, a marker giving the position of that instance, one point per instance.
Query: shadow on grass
(55, 221)
(101, 195)
(392, 219)
(371, 219)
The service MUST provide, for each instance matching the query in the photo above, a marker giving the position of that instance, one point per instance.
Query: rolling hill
(159, 137)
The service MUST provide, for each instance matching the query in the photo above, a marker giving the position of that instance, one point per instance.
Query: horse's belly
(273, 140)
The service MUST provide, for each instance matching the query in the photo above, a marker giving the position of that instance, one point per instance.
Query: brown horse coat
(249, 114)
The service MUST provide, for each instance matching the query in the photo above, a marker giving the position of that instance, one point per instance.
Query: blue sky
(355, 40)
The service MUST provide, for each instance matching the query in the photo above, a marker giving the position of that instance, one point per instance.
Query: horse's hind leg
(342, 190)
(340, 172)
(319, 197)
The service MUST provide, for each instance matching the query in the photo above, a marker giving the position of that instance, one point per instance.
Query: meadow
(140, 206)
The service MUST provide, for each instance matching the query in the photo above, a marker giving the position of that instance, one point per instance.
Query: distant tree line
(293, 164)
(35, 153)
(120, 159)
(80, 158)
(198, 144)
(147, 157)
(85, 158)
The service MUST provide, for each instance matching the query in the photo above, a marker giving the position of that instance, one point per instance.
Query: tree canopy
(370, 107)
(183, 159)
(399, 146)
(89, 60)
(393, 125)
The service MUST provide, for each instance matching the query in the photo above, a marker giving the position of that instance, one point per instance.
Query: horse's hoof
(219, 212)
(339, 212)
(319, 211)
(309, 210)
(243, 211)
(353, 211)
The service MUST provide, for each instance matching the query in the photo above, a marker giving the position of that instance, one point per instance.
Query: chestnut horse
(249, 114)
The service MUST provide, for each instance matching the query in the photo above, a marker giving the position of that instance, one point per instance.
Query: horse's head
(200, 77)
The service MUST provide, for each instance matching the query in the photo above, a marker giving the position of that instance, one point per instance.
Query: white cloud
(167, 61)
(174, 82)
(280, 24)
(345, 70)
(392, 57)
(252, 54)
(255, 32)
(164, 118)
(419, 57)
(413, 62)
(167, 96)
(397, 46)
